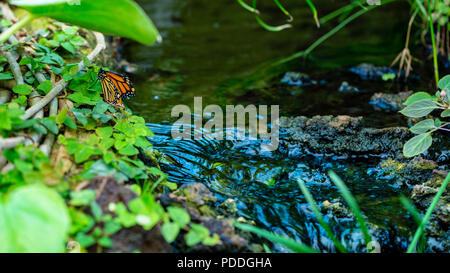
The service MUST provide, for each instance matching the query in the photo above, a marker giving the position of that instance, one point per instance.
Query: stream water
(215, 49)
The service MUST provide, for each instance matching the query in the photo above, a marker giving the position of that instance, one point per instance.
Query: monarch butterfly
(115, 87)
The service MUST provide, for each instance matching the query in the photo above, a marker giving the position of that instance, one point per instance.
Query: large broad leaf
(423, 126)
(116, 17)
(444, 83)
(419, 109)
(33, 219)
(417, 145)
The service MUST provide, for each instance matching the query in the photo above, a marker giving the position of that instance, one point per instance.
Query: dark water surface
(216, 50)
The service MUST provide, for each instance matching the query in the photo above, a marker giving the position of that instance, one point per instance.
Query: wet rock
(371, 72)
(297, 79)
(196, 193)
(347, 88)
(415, 171)
(336, 208)
(229, 207)
(389, 102)
(230, 241)
(438, 228)
(136, 238)
(343, 135)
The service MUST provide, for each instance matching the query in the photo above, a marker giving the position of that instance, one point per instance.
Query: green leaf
(418, 97)
(45, 86)
(105, 242)
(111, 227)
(101, 107)
(444, 83)
(116, 17)
(70, 31)
(80, 116)
(197, 234)
(69, 47)
(83, 154)
(51, 125)
(128, 150)
(82, 198)
(61, 116)
(33, 218)
(170, 231)
(179, 216)
(69, 122)
(417, 145)
(6, 76)
(445, 113)
(419, 109)
(423, 126)
(22, 89)
(79, 98)
(104, 132)
(85, 240)
(96, 211)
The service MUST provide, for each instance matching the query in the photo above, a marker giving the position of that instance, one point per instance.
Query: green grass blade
(319, 216)
(287, 242)
(433, 42)
(284, 10)
(422, 8)
(247, 7)
(314, 11)
(338, 12)
(420, 230)
(269, 27)
(351, 202)
(328, 34)
(417, 217)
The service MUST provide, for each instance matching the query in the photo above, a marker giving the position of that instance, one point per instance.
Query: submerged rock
(196, 193)
(343, 135)
(347, 88)
(371, 72)
(415, 171)
(389, 102)
(297, 79)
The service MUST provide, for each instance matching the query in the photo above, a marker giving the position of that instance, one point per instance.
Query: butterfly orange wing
(122, 84)
(110, 93)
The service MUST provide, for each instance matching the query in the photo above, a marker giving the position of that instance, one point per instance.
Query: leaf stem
(11, 30)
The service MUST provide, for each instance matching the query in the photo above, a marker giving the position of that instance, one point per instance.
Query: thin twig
(14, 66)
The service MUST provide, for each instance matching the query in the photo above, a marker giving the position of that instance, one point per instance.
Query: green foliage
(66, 38)
(33, 219)
(422, 104)
(116, 17)
(31, 166)
(10, 117)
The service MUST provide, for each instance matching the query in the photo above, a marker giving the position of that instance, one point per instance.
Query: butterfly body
(115, 87)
